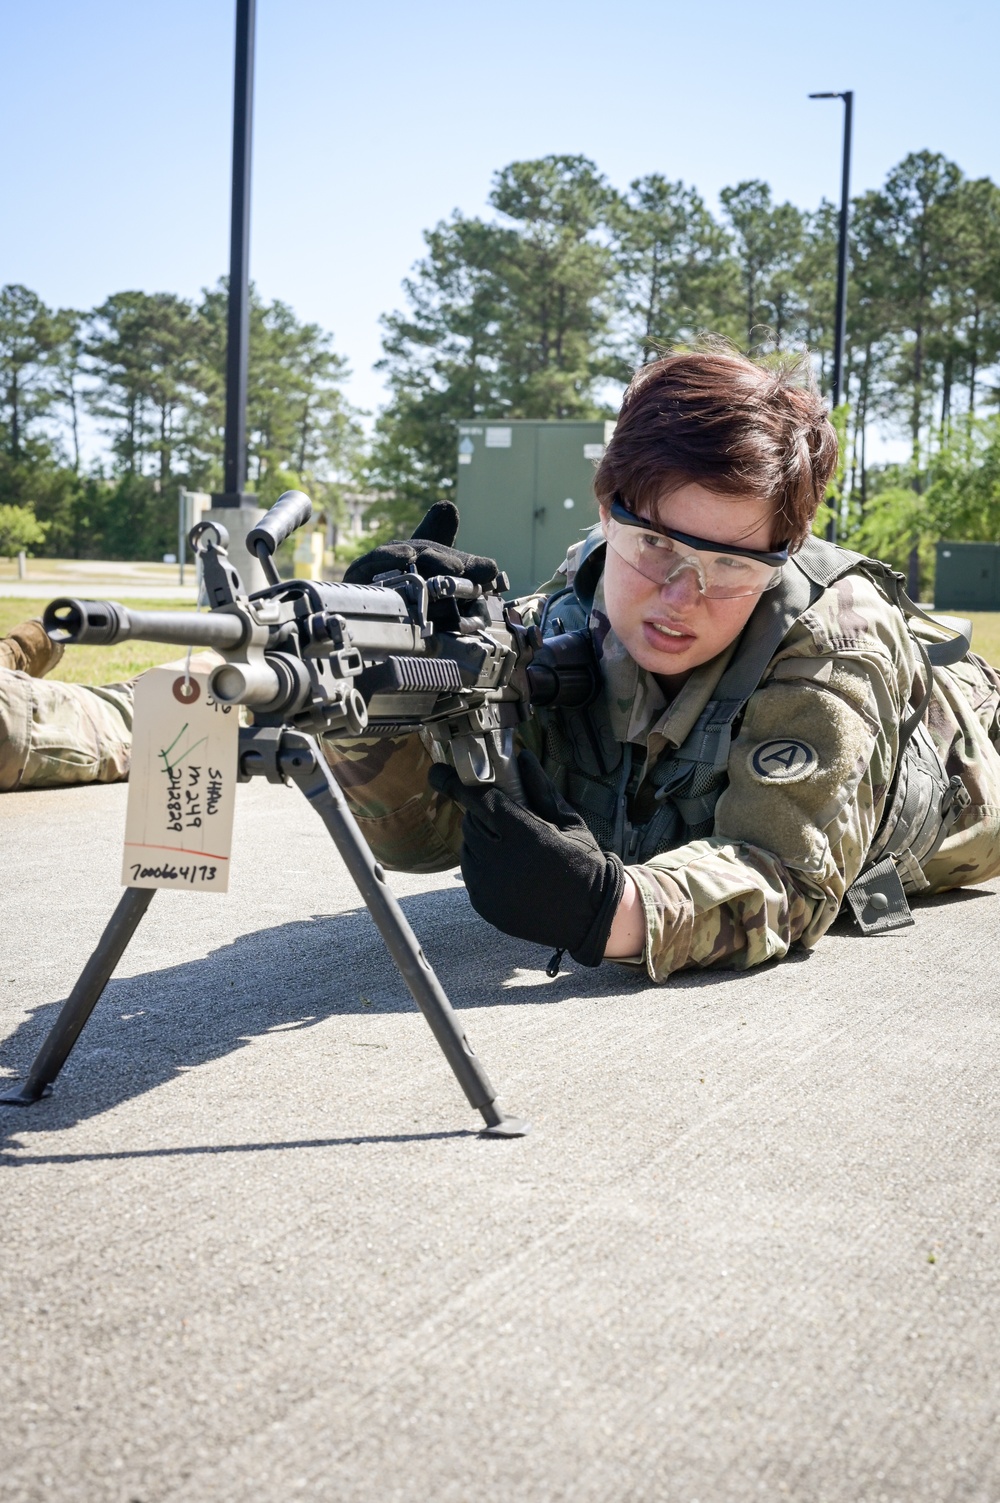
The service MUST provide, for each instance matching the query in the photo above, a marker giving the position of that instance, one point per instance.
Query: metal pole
(840, 311)
(238, 328)
(300, 759)
(840, 317)
(83, 998)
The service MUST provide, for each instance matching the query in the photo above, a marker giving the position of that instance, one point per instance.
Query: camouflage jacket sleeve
(384, 778)
(808, 777)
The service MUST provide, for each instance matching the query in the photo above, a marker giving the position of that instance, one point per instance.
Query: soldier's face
(671, 628)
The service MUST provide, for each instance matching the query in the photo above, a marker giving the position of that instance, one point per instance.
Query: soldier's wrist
(628, 929)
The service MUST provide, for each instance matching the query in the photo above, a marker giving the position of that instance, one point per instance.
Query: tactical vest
(600, 777)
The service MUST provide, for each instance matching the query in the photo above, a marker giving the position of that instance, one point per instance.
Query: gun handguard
(104, 622)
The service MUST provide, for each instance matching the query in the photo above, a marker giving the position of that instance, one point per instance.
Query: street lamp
(840, 317)
(234, 507)
(238, 323)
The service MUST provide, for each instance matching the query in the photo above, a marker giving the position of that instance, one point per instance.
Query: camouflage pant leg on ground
(55, 734)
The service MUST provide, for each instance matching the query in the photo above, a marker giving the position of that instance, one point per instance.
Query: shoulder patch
(786, 761)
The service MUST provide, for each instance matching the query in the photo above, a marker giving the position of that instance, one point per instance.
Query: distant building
(357, 504)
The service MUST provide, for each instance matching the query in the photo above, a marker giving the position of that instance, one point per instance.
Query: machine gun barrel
(105, 622)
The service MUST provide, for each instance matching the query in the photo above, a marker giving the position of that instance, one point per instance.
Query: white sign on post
(182, 781)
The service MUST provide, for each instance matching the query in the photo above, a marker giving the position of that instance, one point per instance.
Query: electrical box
(967, 577)
(526, 492)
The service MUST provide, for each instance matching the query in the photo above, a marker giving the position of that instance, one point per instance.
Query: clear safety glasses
(723, 571)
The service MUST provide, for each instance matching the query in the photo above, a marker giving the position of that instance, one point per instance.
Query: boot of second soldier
(29, 649)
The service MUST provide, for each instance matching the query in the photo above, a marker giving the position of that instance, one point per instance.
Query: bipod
(281, 756)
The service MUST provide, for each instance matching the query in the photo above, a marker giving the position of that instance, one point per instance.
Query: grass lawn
(985, 633)
(99, 665)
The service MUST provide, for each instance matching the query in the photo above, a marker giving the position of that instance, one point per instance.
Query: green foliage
(300, 430)
(676, 274)
(638, 271)
(540, 308)
(151, 368)
(29, 333)
(961, 503)
(833, 506)
(963, 498)
(19, 529)
(890, 529)
(768, 240)
(510, 317)
(140, 352)
(50, 491)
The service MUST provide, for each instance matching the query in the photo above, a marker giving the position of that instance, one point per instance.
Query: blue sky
(374, 121)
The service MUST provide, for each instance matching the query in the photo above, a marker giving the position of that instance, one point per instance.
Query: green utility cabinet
(526, 492)
(967, 577)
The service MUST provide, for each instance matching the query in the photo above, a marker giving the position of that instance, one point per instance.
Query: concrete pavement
(97, 579)
(253, 1248)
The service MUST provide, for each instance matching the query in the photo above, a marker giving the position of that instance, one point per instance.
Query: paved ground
(253, 1248)
(97, 579)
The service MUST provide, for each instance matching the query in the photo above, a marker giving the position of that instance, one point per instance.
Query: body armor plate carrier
(599, 776)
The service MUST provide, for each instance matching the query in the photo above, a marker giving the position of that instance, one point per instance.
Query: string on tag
(202, 597)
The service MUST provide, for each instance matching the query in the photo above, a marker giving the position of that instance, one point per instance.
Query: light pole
(235, 508)
(238, 325)
(840, 313)
(840, 316)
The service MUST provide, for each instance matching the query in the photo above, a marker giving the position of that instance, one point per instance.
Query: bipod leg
(301, 760)
(83, 998)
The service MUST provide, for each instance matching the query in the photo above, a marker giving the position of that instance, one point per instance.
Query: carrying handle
(287, 513)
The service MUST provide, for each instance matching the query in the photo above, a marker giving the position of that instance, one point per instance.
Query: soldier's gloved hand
(535, 872)
(430, 549)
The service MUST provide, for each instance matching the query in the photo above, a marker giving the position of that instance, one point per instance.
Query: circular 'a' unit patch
(785, 761)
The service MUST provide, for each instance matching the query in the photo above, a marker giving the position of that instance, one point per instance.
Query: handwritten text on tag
(182, 782)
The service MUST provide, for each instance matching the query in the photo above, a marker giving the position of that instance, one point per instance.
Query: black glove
(430, 549)
(535, 872)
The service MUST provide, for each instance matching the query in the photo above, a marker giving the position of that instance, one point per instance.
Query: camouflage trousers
(54, 734)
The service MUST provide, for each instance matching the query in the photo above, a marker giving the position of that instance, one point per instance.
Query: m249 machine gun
(342, 660)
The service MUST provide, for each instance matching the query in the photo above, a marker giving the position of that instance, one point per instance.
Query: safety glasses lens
(720, 576)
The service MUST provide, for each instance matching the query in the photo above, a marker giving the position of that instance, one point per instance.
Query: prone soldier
(771, 739)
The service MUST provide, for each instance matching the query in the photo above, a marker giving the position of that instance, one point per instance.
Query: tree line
(542, 308)
(547, 305)
(149, 370)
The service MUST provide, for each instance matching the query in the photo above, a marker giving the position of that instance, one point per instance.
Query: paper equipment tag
(182, 782)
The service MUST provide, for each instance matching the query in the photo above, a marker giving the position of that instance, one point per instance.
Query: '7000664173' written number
(174, 873)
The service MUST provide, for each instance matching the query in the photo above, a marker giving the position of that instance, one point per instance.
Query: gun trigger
(471, 757)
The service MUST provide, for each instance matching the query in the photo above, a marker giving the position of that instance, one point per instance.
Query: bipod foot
(499, 1126)
(24, 1095)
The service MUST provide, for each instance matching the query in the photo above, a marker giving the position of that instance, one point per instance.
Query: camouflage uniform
(784, 849)
(782, 852)
(52, 733)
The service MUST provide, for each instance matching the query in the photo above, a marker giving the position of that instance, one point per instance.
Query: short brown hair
(738, 428)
